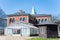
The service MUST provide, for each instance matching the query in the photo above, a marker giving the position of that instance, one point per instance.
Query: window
(24, 19)
(12, 20)
(42, 30)
(45, 19)
(39, 20)
(20, 19)
(59, 28)
(16, 31)
(42, 20)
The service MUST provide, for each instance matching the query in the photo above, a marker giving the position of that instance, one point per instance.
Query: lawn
(44, 38)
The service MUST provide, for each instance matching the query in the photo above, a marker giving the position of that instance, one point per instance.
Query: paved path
(13, 38)
(16, 38)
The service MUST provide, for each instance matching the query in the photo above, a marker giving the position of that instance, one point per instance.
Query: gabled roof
(42, 15)
(19, 13)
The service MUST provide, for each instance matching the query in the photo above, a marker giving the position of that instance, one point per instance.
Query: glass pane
(14, 31)
(23, 19)
(42, 30)
(45, 19)
(20, 19)
(42, 20)
(18, 31)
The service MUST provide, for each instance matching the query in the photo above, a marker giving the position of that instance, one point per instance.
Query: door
(43, 32)
(16, 32)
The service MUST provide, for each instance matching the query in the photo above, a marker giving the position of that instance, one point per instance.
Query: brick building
(21, 16)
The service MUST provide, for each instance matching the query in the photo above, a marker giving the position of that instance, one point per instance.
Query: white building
(20, 29)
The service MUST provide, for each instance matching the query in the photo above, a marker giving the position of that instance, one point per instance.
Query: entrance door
(16, 32)
(43, 32)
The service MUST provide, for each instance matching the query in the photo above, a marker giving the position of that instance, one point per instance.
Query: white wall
(25, 31)
(8, 31)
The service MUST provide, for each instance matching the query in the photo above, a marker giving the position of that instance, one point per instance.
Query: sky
(41, 6)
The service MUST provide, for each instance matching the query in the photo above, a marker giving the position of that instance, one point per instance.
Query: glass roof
(2, 14)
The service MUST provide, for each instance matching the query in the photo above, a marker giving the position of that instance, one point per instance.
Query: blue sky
(41, 6)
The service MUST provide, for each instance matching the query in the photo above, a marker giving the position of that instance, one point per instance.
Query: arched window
(20, 19)
(39, 20)
(45, 19)
(12, 20)
(42, 20)
(24, 19)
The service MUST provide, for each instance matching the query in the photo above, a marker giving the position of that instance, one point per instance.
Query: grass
(44, 38)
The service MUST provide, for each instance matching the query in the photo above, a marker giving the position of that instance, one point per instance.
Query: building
(20, 29)
(24, 24)
(58, 28)
(3, 21)
(21, 16)
(48, 29)
(41, 17)
(26, 18)
(21, 24)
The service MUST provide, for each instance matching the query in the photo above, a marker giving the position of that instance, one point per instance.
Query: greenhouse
(20, 29)
(3, 21)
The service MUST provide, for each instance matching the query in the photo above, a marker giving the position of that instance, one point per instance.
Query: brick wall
(44, 17)
(17, 18)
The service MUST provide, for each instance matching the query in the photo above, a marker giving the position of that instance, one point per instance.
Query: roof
(42, 15)
(47, 23)
(57, 22)
(22, 13)
(19, 13)
(2, 14)
(21, 25)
